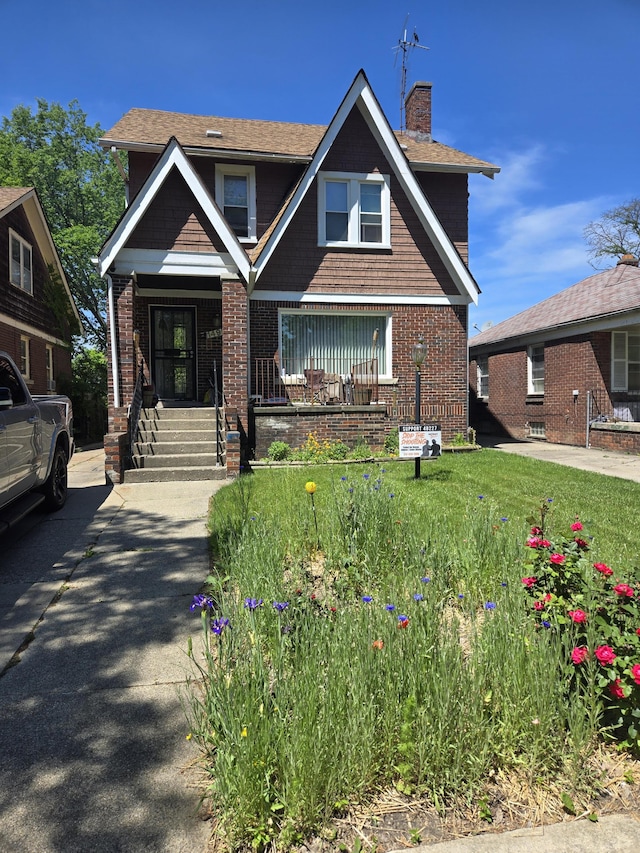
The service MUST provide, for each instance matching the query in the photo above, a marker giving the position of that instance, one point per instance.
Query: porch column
(235, 356)
(115, 441)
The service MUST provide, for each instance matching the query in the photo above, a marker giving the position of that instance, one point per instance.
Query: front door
(173, 353)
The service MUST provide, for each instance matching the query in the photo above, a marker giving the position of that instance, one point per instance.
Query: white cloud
(519, 173)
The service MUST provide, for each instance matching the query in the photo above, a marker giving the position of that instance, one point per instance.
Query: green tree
(616, 233)
(82, 193)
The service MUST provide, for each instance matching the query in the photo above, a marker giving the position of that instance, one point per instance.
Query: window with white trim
(354, 210)
(334, 341)
(236, 197)
(25, 357)
(483, 376)
(51, 385)
(20, 262)
(536, 369)
(625, 361)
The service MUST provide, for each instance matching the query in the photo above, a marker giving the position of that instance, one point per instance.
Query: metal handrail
(134, 412)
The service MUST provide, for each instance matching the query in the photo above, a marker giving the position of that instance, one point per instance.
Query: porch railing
(315, 381)
(604, 409)
(134, 412)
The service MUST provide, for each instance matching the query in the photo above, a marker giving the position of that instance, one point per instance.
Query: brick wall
(348, 424)
(579, 363)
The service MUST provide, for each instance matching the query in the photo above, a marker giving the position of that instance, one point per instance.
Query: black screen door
(173, 353)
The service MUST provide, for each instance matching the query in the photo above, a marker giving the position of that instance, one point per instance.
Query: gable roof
(27, 197)
(172, 157)
(605, 295)
(151, 130)
(360, 95)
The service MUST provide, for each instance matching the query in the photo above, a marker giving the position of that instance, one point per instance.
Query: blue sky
(548, 90)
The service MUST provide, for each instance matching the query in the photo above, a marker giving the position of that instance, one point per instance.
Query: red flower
(403, 623)
(576, 526)
(579, 654)
(536, 531)
(623, 589)
(635, 672)
(528, 582)
(603, 569)
(615, 688)
(539, 605)
(533, 542)
(605, 655)
(547, 597)
(544, 543)
(578, 615)
(638, 631)
(558, 559)
(581, 543)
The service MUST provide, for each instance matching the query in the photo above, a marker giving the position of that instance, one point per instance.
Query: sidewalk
(92, 731)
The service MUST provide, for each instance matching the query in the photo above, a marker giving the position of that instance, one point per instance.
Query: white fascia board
(31, 331)
(172, 156)
(378, 124)
(160, 262)
(312, 170)
(608, 322)
(381, 130)
(355, 298)
(198, 151)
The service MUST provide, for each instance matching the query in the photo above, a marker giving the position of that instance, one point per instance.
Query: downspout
(114, 343)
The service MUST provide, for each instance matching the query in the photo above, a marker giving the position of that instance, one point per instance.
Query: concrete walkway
(92, 731)
(623, 465)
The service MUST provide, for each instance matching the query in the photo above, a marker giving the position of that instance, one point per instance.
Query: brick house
(291, 267)
(567, 369)
(36, 306)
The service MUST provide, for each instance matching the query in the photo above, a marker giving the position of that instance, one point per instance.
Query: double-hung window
(25, 356)
(536, 369)
(334, 341)
(20, 263)
(354, 210)
(625, 361)
(236, 197)
(483, 376)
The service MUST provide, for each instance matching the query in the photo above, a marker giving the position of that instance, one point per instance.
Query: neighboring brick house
(566, 370)
(302, 261)
(35, 301)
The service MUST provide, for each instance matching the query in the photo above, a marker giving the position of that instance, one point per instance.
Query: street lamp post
(418, 355)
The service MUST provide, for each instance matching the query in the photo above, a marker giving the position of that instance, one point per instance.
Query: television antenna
(403, 49)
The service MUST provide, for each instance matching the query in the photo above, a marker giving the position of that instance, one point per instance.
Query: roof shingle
(614, 291)
(154, 128)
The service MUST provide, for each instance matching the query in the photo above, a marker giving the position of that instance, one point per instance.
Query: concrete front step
(155, 434)
(194, 413)
(170, 475)
(205, 460)
(174, 448)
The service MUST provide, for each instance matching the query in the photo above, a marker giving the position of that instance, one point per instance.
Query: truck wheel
(55, 489)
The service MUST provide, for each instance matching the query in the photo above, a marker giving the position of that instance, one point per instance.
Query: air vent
(213, 133)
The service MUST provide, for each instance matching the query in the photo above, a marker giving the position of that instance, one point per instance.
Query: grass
(438, 682)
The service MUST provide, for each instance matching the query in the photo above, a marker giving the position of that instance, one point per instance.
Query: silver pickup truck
(36, 444)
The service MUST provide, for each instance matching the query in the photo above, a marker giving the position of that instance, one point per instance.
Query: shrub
(279, 451)
(392, 442)
(361, 450)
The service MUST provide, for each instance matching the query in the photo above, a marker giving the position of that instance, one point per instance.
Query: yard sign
(420, 440)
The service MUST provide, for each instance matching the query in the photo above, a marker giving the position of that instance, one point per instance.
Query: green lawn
(377, 632)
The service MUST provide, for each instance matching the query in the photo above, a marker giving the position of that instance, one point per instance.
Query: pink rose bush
(600, 612)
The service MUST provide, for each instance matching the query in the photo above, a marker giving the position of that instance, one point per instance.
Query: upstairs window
(483, 377)
(20, 263)
(625, 361)
(354, 210)
(536, 369)
(236, 197)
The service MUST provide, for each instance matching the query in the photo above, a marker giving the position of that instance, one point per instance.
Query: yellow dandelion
(243, 733)
(310, 487)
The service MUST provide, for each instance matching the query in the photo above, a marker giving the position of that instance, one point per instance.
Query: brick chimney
(417, 107)
(629, 260)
